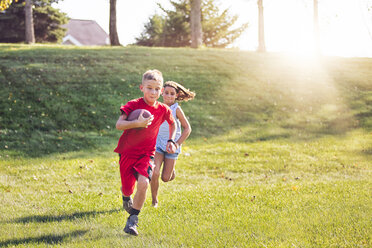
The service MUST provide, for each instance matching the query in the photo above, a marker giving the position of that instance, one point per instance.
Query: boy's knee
(143, 182)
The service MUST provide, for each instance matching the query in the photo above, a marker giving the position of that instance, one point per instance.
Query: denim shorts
(166, 154)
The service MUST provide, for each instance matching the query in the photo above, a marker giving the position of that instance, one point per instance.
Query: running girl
(172, 94)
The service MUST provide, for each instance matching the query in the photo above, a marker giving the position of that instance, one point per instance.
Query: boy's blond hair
(153, 75)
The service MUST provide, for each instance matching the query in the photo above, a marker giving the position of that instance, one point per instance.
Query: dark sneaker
(127, 205)
(131, 226)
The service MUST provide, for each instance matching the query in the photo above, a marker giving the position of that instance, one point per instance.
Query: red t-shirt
(138, 142)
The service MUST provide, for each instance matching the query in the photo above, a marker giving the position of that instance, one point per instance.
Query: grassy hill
(279, 155)
(57, 99)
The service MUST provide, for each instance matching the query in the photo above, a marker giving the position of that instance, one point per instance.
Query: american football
(135, 114)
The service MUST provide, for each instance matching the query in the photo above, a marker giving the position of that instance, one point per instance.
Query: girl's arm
(185, 125)
(123, 124)
(171, 148)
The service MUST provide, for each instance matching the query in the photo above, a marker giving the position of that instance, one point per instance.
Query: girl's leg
(158, 160)
(168, 168)
(173, 175)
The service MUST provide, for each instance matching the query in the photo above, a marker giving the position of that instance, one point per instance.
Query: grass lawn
(280, 153)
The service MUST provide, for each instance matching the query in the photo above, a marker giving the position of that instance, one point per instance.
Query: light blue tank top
(163, 134)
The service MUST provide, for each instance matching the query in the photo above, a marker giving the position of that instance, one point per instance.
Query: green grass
(279, 155)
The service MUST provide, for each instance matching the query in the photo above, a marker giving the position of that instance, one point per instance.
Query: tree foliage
(47, 22)
(4, 4)
(173, 28)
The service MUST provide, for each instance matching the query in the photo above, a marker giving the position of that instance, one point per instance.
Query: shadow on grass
(256, 131)
(46, 239)
(270, 132)
(42, 144)
(367, 152)
(53, 218)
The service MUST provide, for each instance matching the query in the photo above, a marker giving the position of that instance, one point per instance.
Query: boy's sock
(134, 211)
(127, 203)
(126, 198)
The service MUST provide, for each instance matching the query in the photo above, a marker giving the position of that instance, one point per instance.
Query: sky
(345, 25)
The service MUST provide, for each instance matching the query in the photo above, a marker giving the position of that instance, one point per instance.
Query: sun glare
(347, 34)
(345, 26)
(289, 27)
(290, 30)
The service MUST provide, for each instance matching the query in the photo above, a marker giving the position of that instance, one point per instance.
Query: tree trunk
(316, 28)
(29, 23)
(114, 39)
(261, 30)
(195, 23)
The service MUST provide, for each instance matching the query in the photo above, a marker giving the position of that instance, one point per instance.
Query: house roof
(85, 33)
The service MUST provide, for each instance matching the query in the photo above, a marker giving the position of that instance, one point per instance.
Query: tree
(316, 28)
(261, 29)
(173, 28)
(47, 22)
(367, 16)
(195, 23)
(114, 38)
(29, 23)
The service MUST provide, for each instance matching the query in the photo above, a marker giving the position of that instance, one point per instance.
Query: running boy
(172, 92)
(136, 146)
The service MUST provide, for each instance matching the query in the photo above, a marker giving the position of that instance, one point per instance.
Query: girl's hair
(183, 94)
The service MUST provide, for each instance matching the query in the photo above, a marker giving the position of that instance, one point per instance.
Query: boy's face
(151, 90)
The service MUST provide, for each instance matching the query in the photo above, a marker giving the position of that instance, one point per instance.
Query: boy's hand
(144, 122)
(171, 148)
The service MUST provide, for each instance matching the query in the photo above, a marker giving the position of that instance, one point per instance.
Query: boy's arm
(123, 124)
(171, 147)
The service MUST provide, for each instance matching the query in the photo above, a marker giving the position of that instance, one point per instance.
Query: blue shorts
(166, 154)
